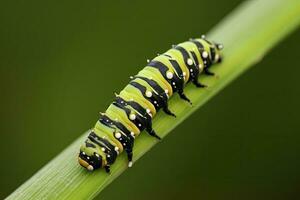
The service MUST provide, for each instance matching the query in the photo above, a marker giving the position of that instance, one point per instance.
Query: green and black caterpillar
(149, 91)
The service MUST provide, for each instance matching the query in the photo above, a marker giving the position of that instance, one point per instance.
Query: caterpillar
(149, 91)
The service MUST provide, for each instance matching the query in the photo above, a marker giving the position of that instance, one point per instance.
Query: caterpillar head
(90, 156)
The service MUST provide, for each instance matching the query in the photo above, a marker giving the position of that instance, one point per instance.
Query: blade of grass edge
(248, 33)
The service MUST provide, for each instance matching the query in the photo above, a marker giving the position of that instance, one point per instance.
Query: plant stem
(248, 33)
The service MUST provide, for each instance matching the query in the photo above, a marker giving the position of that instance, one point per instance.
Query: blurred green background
(61, 61)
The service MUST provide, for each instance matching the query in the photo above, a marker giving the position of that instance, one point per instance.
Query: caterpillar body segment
(153, 73)
(136, 95)
(147, 92)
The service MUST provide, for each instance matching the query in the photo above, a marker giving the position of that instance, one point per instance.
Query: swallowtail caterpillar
(149, 91)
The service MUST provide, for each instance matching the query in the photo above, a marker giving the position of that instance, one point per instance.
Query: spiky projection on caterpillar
(147, 93)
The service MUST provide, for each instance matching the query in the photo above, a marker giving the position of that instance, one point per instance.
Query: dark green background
(61, 61)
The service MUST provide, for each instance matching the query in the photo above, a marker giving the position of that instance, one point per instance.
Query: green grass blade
(247, 34)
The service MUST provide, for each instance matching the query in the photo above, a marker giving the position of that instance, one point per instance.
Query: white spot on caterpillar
(191, 70)
(140, 125)
(148, 60)
(117, 135)
(108, 156)
(148, 110)
(204, 54)
(166, 91)
(173, 83)
(220, 46)
(130, 164)
(169, 75)
(148, 93)
(132, 116)
(189, 61)
(97, 155)
(117, 149)
(132, 134)
(83, 153)
(131, 77)
(155, 102)
(103, 149)
(88, 158)
(203, 36)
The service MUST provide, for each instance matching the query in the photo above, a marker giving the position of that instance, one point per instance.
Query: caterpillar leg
(107, 168)
(153, 133)
(150, 130)
(168, 112)
(207, 72)
(198, 84)
(184, 97)
(129, 156)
